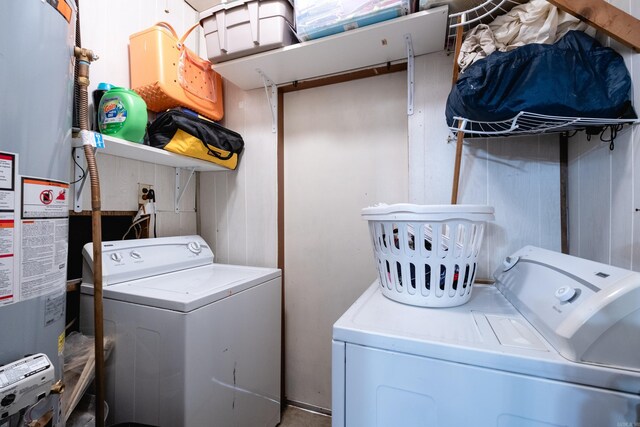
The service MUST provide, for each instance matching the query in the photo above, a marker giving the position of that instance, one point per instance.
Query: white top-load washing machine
(196, 343)
(555, 343)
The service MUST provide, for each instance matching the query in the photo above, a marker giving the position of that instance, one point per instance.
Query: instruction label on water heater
(44, 237)
(8, 201)
(7, 261)
(7, 181)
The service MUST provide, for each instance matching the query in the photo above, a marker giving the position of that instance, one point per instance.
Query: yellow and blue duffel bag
(195, 136)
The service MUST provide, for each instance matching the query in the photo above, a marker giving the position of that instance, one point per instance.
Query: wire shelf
(525, 123)
(469, 13)
(482, 13)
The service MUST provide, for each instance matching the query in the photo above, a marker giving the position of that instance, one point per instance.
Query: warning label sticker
(7, 165)
(43, 257)
(43, 238)
(7, 181)
(44, 199)
(6, 280)
(8, 232)
(7, 270)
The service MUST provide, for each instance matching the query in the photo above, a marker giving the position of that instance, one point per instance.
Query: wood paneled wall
(519, 177)
(238, 209)
(604, 185)
(337, 161)
(105, 28)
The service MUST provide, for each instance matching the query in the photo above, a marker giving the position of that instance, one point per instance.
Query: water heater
(36, 98)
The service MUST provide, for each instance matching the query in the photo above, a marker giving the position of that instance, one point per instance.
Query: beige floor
(296, 417)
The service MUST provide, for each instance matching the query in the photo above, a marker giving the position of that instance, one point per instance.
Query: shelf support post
(458, 161)
(179, 189)
(564, 185)
(271, 90)
(410, 73)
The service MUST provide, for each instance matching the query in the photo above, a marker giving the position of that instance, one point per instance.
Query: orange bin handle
(203, 64)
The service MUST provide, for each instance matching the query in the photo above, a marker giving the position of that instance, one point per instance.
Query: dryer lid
(589, 311)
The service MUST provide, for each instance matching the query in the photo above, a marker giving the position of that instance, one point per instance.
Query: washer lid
(187, 290)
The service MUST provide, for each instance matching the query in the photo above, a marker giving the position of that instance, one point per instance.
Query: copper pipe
(84, 57)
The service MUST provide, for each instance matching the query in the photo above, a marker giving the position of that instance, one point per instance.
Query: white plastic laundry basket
(427, 255)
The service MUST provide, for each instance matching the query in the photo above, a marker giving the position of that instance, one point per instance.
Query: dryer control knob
(194, 247)
(565, 293)
(8, 399)
(509, 262)
(135, 255)
(116, 256)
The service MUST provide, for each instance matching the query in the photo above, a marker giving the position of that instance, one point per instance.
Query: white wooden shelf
(131, 150)
(363, 47)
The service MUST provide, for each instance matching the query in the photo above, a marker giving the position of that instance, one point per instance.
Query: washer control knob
(135, 255)
(565, 293)
(8, 399)
(194, 247)
(509, 262)
(116, 256)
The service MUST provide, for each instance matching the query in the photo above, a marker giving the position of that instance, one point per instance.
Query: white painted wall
(337, 161)
(105, 28)
(604, 185)
(238, 209)
(519, 177)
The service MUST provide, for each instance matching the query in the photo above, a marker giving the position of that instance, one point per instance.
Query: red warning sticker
(42, 198)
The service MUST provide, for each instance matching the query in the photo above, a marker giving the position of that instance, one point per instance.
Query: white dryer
(555, 343)
(196, 343)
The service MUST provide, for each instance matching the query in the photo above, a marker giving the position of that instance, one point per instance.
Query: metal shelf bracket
(80, 171)
(79, 177)
(410, 73)
(271, 90)
(180, 189)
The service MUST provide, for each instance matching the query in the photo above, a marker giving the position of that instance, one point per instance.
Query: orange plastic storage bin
(167, 74)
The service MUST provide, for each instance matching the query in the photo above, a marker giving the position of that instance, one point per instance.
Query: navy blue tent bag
(575, 77)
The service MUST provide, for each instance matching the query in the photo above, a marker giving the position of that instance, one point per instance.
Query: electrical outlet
(143, 190)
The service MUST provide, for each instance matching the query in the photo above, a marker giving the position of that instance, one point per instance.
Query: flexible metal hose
(84, 57)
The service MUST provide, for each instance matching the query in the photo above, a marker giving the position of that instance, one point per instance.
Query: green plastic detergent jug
(123, 114)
